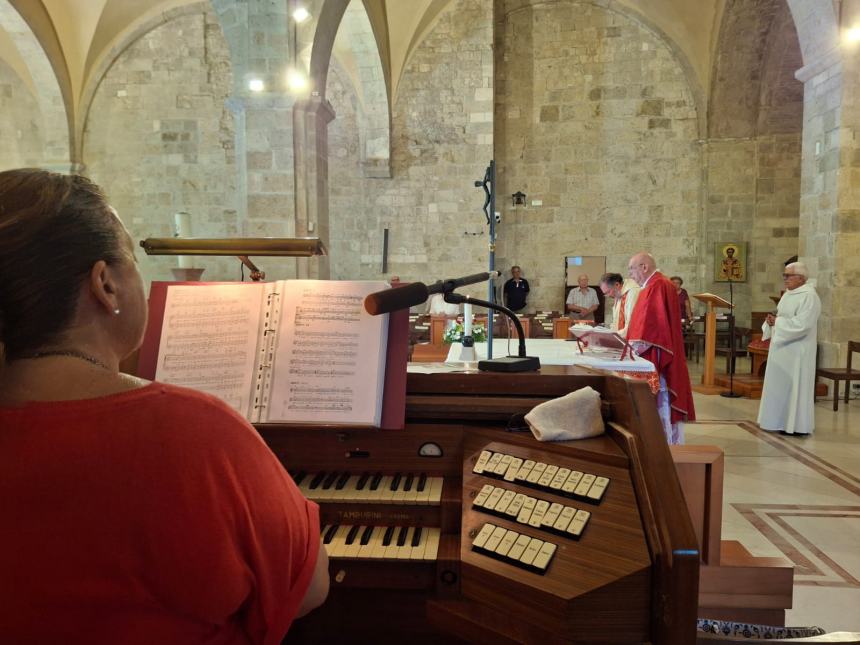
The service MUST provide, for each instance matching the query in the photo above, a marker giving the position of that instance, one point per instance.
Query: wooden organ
(454, 529)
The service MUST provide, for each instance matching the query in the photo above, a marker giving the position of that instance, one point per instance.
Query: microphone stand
(731, 394)
(520, 363)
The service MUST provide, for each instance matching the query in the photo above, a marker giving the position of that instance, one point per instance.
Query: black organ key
(330, 480)
(341, 482)
(389, 533)
(362, 482)
(395, 483)
(401, 537)
(365, 537)
(329, 536)
(350, 537)
(377, 479)
(416, 537)
(422, 483)
(408, 485)
(316, 481)
(300, 477)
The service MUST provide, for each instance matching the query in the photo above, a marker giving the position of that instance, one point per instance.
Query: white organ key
(572, 482)
(513, 469)
(584, 485)
(559, 479)
(391, 550)
(531, 551)
(519, 547)
(503, 465)
(351, 550)
(404, 552)
(526, 468)
(564, 518)
(349, 493)
(495, 538)
(423, 496)
(338, 544)
(432, 548)
(541, 508)
(493, 499)
(483, 458)
(526, 512)
(435, 484)
(541, 561)
(410, 496)
(482, 496)
(417, 552)
(506, 543)
(377, 550)
(598, 488)
(551, 516)
(536, 473)
(382, 493)
(490, 468)
(365, 550)
(547, 476)
(516, 505)
(483, 535)
(507, 498)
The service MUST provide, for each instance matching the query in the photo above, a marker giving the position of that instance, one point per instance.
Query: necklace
(69, 352)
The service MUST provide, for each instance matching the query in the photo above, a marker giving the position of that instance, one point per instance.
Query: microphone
(383, 302)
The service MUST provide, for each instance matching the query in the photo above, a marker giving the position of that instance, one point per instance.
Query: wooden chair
(837, 374)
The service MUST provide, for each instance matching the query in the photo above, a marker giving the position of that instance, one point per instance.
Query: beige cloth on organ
(573, 416)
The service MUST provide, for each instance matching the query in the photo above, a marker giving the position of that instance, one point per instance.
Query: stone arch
(122, 42)
(357, 50)
(817, 25)
(37, 74)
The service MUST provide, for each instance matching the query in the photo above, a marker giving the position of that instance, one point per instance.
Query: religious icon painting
(730, 262)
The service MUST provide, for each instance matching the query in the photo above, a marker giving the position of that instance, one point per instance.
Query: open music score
(292, 351)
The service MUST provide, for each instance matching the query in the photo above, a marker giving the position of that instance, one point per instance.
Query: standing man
(625, 297)
(582, 301)
(516, 290)
(655, 333)
(787, 396)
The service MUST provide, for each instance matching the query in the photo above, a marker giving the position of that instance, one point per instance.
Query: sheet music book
(288, 351)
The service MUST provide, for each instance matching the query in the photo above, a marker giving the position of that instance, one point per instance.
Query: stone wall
(21, 130)
(160, 140)
(441, 143)
(595, 119)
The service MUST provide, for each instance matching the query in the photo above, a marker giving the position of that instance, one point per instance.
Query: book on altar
(601, 341)
(302, 351)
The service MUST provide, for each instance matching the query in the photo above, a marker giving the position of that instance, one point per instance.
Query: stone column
(830, 196)
(310, 148)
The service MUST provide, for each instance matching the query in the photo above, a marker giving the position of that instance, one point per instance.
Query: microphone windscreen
(383, 302)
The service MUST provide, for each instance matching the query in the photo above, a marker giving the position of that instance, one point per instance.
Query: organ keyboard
(454, 529)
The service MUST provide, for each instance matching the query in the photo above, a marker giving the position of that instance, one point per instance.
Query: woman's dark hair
(53, 229)
(612, 278)
(678, 278)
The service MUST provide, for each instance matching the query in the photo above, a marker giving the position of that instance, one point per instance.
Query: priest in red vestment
(655, 332)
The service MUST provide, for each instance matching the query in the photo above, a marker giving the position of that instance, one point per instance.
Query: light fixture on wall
(297, 80)
(851, 36)
(518, 198)
(256, 85)
(300, 14)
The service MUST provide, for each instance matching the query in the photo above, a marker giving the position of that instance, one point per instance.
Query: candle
(182, 228)
(467, 319)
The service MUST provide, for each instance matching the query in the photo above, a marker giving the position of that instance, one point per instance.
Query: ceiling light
(852, 35)
(301, 14)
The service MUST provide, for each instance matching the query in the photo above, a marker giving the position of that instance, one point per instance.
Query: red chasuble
(656, 320)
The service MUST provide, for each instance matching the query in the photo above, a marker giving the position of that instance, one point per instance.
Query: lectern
(713, 302)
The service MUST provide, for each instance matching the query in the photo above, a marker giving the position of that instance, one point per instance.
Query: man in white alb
(787, 396)
(624, 294)
(582, 302)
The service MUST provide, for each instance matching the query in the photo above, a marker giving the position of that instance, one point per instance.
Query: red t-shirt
(151, 516)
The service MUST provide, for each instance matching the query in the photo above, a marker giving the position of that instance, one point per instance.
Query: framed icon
(730, 262)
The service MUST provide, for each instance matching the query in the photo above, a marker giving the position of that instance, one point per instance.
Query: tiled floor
(798, 498)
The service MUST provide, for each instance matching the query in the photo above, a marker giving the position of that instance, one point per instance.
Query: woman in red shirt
(133, 511)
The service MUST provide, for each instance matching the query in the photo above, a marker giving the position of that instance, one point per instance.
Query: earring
(116, 312)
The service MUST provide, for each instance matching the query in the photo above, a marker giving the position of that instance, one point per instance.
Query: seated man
(516, 290)
(582, 302)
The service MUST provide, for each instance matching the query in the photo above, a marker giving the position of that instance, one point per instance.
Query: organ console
(454, 529)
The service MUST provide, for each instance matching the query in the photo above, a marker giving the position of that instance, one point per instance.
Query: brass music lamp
(303, 247)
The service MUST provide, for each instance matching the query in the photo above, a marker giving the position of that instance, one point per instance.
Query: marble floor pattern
(796, 498)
